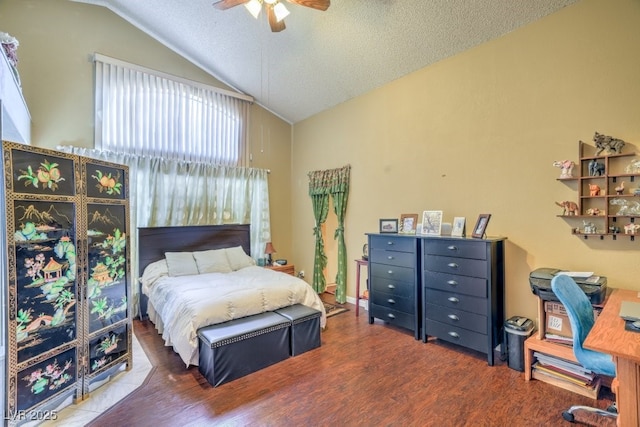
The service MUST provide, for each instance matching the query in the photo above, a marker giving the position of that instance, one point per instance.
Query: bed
(180, 300)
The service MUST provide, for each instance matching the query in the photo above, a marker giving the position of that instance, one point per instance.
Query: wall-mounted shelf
(614, 195)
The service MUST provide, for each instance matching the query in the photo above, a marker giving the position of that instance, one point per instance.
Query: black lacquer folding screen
(67, 277)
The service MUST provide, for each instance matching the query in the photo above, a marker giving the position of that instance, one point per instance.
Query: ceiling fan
(276, 10)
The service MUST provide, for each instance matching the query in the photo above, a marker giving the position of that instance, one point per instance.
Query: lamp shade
(269, 249)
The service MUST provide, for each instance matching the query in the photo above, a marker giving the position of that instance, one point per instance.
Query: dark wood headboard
(153, 242)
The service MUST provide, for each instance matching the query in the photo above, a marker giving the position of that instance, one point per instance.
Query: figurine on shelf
(589, 228)
(631, 228)
(633, 167)
(594, 190)
(636, 191)
(596, 168)
(609, 143)
(594, 211)
(614, 230)
(568, 207)
(566, 168)
(620, 188)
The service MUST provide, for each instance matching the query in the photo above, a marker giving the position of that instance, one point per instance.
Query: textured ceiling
(324, 58)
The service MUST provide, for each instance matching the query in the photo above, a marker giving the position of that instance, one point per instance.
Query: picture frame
(389, 225)
(431, 223)
(408, 223)
(458, 228)
(481, 226)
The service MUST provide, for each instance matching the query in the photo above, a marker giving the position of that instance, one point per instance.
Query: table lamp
(269, 249)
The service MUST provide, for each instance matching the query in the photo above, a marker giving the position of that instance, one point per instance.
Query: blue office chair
(580, 313)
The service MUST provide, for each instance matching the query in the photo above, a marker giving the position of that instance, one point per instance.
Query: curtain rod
(113, 61)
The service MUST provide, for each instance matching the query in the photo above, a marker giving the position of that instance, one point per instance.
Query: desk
(609, 336)
(359, 263)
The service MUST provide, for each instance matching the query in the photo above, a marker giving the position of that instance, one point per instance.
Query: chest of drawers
(394, 286)
(463, 291)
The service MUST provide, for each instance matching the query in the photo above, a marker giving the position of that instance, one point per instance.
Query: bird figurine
(619, 189)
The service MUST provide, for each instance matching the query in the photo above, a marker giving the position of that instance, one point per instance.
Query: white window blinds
(145, 112)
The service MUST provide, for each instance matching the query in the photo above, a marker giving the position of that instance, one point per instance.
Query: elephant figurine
(596, 168)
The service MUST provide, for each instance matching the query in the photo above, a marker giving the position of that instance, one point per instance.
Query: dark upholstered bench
(239, 347)
(305, 327)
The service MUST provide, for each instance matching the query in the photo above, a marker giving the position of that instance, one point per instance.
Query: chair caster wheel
(568, 416)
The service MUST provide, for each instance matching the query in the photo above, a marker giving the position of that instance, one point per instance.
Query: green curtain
(322, 184)
(340, 195)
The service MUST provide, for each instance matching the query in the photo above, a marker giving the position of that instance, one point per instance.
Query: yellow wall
(478, 133)
(57, 38)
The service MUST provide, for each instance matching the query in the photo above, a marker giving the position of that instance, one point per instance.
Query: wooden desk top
(608, 334)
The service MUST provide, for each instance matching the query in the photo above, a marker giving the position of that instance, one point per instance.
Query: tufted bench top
(241, 329)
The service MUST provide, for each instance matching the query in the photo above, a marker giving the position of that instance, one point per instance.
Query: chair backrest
(580, 313)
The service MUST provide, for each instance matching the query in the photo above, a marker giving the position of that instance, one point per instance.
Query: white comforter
(179, 306)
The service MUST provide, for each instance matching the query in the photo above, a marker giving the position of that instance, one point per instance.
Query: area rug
(333, 309)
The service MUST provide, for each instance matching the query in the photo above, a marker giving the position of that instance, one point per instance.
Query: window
(144, 112)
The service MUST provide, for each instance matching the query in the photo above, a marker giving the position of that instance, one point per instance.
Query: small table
(359, 263)
(288, 268)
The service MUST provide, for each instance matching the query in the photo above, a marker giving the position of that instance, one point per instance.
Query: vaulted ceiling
(324, 58)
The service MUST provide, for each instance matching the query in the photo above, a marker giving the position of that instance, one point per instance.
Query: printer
(595, 287)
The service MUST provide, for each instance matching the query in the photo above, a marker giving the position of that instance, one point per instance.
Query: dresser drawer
(461, 336)
(473, 286)
(389, 257)
(392, 243)
(462, 266)
(457, 301)
(451, 316)
(394, 302)
(391, 316)
(392, 272)
(456, 248)
(393, 287)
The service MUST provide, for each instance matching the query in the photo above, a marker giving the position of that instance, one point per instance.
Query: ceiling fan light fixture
(280, 11)
(254, 7)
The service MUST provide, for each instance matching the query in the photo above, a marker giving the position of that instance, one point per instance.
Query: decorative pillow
(181, 263)
(153, 272)
(212, 261)
(238, 258)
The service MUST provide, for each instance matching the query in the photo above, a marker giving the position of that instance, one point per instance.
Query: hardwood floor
(362, 375)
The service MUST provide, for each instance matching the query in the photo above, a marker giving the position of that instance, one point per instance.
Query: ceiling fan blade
(314, 4)
(227, 4)
(276, 26)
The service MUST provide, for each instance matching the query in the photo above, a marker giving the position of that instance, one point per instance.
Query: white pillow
(212, 261)
(153, 272)
(238, 258)
(181, 263)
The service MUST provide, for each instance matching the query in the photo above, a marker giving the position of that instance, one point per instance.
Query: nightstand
(288, 269)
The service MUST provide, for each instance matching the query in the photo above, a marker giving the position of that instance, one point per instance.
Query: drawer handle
(390, 271)
(453, 300)
(453, 334)
(389, 257)
(391, 316)
(390, 286)
(391, 301)
(452, 248)
(452, 265)
(452, 283)
(453, 317)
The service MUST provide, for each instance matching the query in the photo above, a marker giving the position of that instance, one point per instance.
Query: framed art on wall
(458, 226)
(432, 222)
(408, 223)
(481, 226)
(389, 225)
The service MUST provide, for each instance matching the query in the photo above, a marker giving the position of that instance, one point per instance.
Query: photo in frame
(481, 226)
(458, 226)
(431, 223)
(389, 225)
(408, 223)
